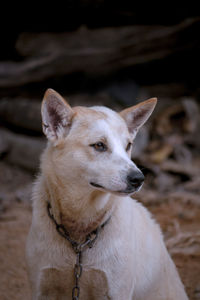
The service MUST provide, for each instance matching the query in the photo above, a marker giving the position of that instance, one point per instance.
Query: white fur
(129, 259)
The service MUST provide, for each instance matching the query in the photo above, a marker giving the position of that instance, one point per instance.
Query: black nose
(135, 178)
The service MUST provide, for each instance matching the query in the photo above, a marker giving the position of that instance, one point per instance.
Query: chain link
(78, 249)
(77, 274)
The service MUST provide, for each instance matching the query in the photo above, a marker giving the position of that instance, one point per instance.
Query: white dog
(89, 239)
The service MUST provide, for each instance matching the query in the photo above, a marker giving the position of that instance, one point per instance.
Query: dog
(89, 239)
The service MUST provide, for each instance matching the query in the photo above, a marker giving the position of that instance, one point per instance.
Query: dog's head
(92, 146)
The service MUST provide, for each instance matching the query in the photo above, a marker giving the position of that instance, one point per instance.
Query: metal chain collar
(77, 247)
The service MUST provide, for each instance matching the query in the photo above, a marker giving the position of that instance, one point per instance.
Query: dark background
(178, 67)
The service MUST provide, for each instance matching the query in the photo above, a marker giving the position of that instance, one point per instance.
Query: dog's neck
(79, 213)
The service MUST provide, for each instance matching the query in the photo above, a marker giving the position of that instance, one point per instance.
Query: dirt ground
(180, 223)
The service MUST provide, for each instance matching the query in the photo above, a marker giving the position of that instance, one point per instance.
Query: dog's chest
(58, 284)
(109, 279)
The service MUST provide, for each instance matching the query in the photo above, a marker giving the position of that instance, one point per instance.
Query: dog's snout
(135, 178)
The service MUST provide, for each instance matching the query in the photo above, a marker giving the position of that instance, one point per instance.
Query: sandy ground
(15, 217)
(13, 231)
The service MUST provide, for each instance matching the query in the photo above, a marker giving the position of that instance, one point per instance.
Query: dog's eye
(99, 146)
(128, 147)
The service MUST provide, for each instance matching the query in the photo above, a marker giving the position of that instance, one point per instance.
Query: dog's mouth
(126, 192)
(130, 190)
(96, 185)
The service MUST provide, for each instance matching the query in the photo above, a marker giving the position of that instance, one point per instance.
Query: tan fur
(129, 259)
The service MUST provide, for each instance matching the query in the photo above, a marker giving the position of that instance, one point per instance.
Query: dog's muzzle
(135, 179)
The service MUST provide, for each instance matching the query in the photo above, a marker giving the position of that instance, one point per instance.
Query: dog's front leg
(52, 285)
(50, 297)
(166, 286)
(43, 297)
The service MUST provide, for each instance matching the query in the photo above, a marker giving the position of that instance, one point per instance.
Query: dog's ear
(56, 116)
(137, 115)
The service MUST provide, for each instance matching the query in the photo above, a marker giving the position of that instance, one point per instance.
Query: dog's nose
(135, 178)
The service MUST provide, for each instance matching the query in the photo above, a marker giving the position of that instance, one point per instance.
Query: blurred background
(109, 53)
